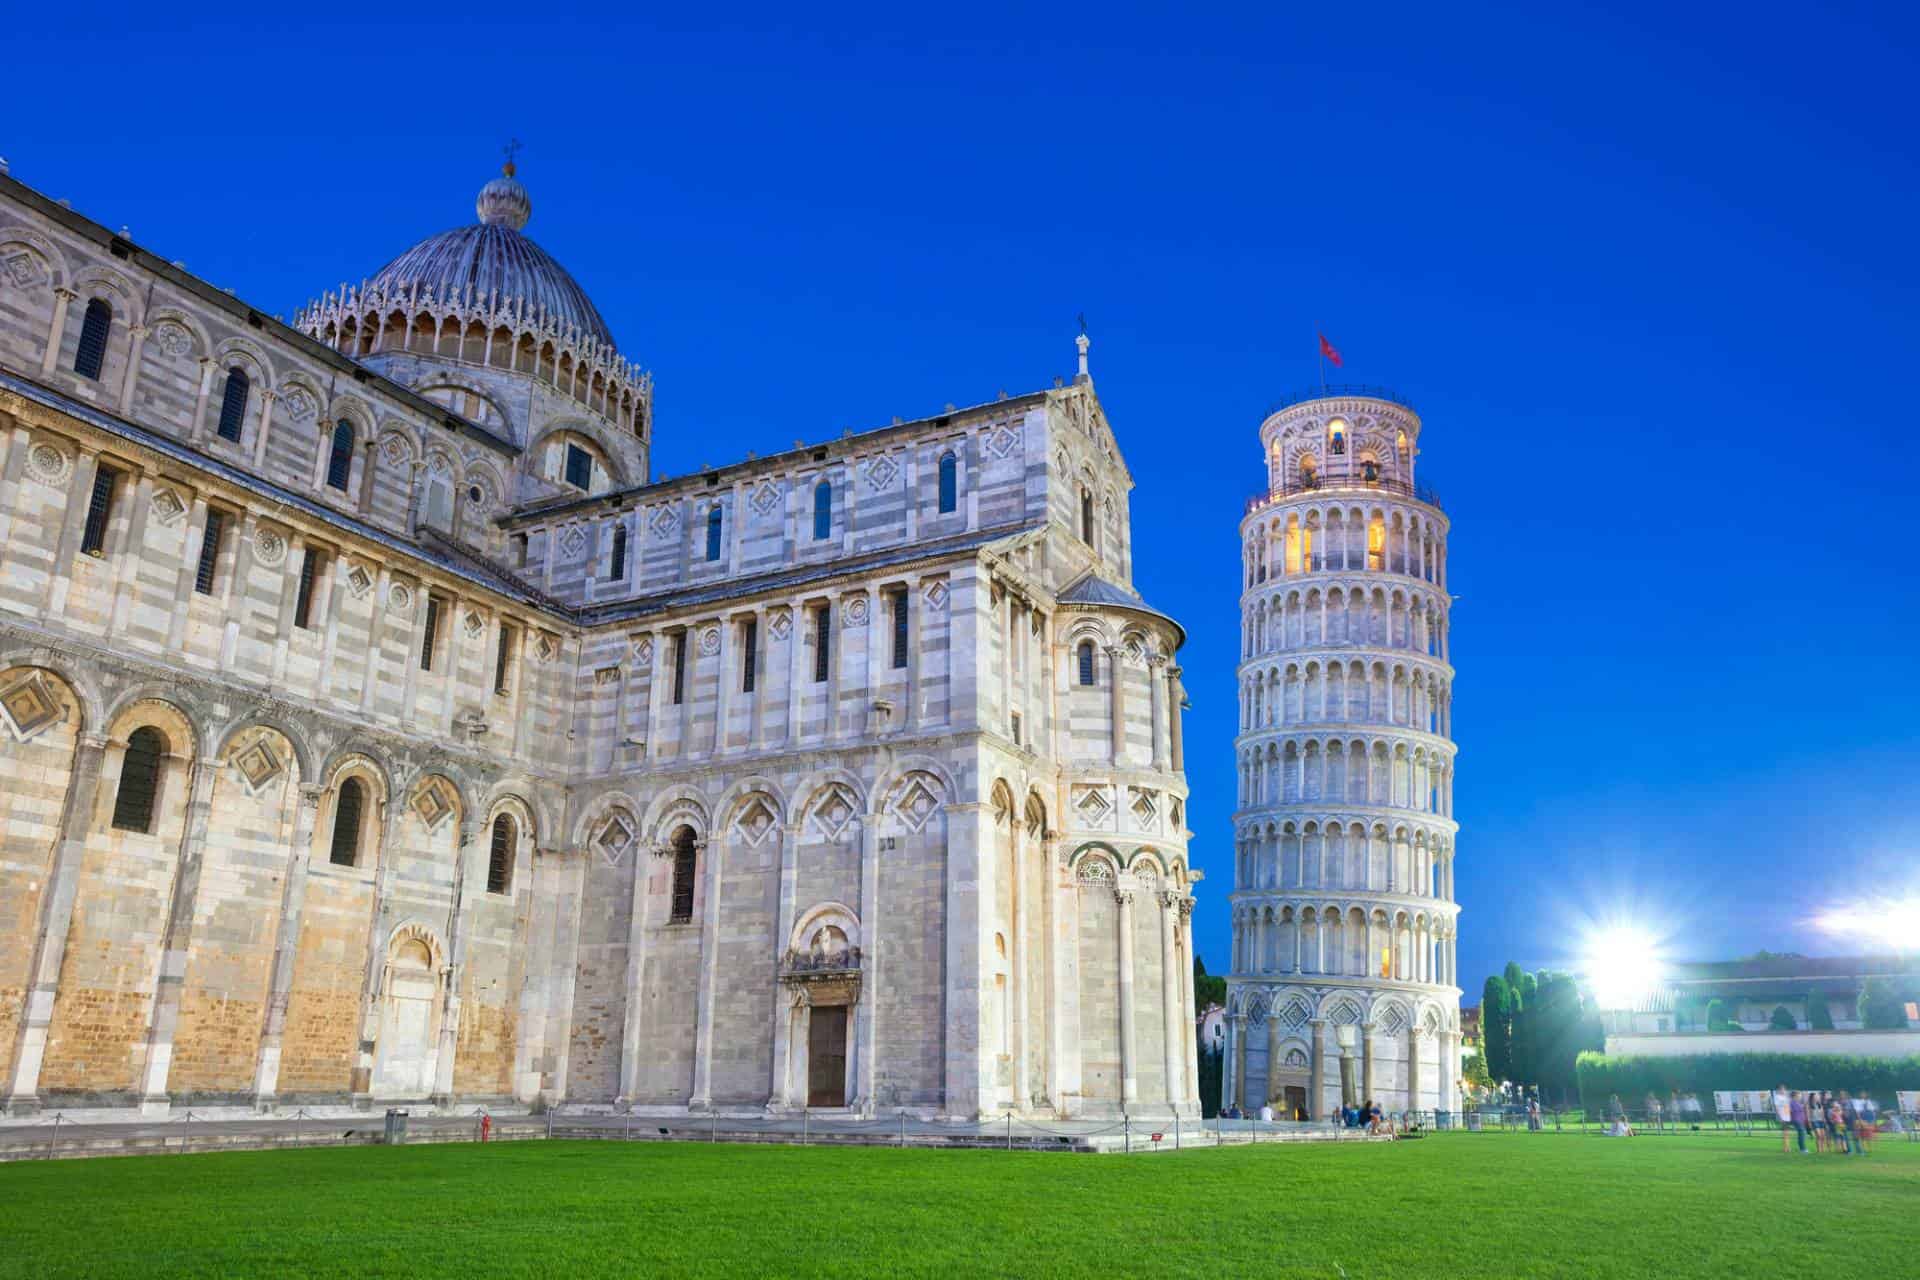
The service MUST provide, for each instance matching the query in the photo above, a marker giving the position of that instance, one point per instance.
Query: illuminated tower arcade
(1343, 982)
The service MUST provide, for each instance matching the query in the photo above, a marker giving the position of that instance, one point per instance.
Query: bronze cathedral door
(827, 1056)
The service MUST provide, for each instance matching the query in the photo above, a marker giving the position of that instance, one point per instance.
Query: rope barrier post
(549, 1122)
(713, 1126)
(804, 1117)
(1176, 1131)
(1009, 1130)
(51, 1146)
(903, 1127)
(1127, 1124)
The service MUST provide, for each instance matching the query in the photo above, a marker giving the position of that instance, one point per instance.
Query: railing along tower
(1343, 984)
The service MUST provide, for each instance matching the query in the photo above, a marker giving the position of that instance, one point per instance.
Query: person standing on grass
(1783, 1111)
(1797, 1112)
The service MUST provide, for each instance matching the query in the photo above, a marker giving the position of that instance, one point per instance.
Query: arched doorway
(409, 1017)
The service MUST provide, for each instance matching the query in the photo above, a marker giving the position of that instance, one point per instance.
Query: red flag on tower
(1326, 350)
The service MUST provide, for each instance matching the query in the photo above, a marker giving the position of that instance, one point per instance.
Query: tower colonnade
(1344, 981)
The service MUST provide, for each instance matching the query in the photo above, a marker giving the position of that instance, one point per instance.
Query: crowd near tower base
(1342, 988)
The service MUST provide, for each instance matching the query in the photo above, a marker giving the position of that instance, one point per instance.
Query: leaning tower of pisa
(1343, 983)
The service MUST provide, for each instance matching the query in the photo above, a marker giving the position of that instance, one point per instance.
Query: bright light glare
(1622, 965)
(1889, 922)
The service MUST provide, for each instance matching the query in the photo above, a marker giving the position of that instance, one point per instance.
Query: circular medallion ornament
(172, 339)
(48, 463)
(710, 641)
(400, 597)
(270, 547)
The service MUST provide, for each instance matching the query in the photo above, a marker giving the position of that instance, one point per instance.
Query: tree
(1819, 1012)
(1717, 1019)
(1782, 1020)
(1207, 989)
(1556, 1031)
(1496, 1014)
(1882, 1006)
(1212, 1076)
(1474, 1069)
(1524, 1051)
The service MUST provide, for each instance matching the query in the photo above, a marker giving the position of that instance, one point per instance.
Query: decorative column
(286, 946)
(1170, 1002)
(1316, 1106)
(1192, 1023)
(1237, 1061)
(781, 1096)
(1118, 704)
(1176, 695)
(702, 1096)
(1366, 1062)
(632, 1029)
(1129, 1069)
(461, 925)
(1413, 1066)
(56, 917)
(1157, 701)
(177, 942)
(138, 333)
(62, 298)
(868, 1009)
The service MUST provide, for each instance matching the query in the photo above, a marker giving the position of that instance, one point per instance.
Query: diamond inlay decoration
(882, 472)
(781, 624)
(1144, 811)
(1294, 1016)
(23, 268)
(917, 806)
(359, 581)
(258, 765)
(615, 838)
(545, 647)
(572, 541)
(643, 652)
(298, 405)
(936, 596)
(432, 803)
(756, 822)
(30, 706)
(475, 623)
(833, 814)
(1093, 806)
(1000, 442)
(764, 499)
(664, 521)
(1395, 1020)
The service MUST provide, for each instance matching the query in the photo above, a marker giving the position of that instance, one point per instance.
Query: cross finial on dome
(511, 149)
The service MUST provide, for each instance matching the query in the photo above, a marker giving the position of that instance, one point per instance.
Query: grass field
(1487, 1205)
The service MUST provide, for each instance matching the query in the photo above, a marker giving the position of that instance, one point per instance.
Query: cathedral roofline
(749, 467)
(1090, 590)
(279, 330)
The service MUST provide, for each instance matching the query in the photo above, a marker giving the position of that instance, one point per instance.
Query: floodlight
(1622, 966)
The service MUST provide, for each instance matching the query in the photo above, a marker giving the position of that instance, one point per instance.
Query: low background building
(1746, 1006)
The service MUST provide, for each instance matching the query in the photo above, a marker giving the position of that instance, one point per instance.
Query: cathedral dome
(494, 260)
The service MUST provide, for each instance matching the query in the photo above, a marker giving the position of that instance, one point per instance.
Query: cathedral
(375, 724)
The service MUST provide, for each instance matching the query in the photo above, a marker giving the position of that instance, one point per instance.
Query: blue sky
(1649, 277)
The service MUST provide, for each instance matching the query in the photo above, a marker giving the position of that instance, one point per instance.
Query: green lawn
(1492, 1205)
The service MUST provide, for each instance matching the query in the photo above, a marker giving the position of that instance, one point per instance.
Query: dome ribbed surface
(492, 257)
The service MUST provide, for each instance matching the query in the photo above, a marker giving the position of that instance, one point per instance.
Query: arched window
(618, 568)
(1086, 516)
(340, 461)
(500, 856)
(1337, 436)
(139, 780)
(1309, 471)
(683, 868)
(713, 533)
(949, 483)
(95, 327)
(822, 510)
(1086, 662)
(233, 403)
(347, 808)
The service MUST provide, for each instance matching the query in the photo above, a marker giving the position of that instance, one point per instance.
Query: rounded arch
(1092, 853)
(96, 280)
(415, 929)
(887, 785)
(49, 256)
(79, 685)
(1150, 858)
(821, 915)
(147, 706)
(604, 440)
(200, 343)
(677, 806)
(754, 805)
(296, 739)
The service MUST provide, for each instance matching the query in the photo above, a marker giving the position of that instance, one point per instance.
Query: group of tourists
(1370, 1117)
(1840, 1124)
(1678, 1109)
